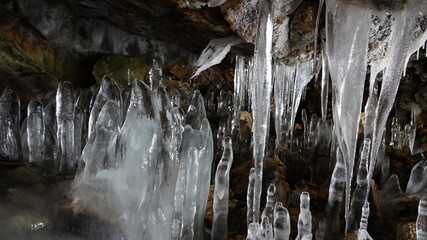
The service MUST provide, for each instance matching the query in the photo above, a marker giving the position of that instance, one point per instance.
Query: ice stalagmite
(347, 31)
(9, 125)
(220, 202)
(164, 189)
(65, 125)
(360, 193)
(335, 198)
(268, 211)
(196, 154)
(108, 91)
(421, 226)
(282, 222)
(304, 218)
(254, 231)
(35, 131)
(260, 94)
(417, 179)
(155, 75)
(363, 234)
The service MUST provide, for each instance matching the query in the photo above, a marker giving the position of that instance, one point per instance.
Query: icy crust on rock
(149, 176)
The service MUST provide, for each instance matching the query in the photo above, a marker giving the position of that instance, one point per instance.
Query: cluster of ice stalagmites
(52, 131)
(149, 171)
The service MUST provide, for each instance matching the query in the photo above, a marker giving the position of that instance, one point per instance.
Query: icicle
(220, 202)
(261, 91)
(347, 31)
(325, 82)
(403, 44)
(304, 218)
(9, 125)
(282, 222)
(240, 89)
(360, 193)
(391, 189)
(213, 54)
(421, 226)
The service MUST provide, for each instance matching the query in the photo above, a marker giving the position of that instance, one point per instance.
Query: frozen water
(250, 198)
(108, 91)
(213, 54)
(220, 202)
(9, 125)
(65, 126)
(260, 93)
(347, 31)
(304, 218)
(335, 199)
(421, 226)
(282, 222)
(363, 234)
(35, 131)
(360, 193)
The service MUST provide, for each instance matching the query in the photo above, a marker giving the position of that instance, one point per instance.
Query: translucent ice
(108, 91)
(65, 125)
(360, 193)
(35, 131)
(213, 54)
(282, 222)
(9, 126)
(220, 202)
(347, 31)
(304, 218)
(421, 226)
(260, 93)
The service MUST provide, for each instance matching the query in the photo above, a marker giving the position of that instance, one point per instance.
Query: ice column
(65, 125)
(335, 198)
(9, 125)
(360, 193)
(422, 219)
(220, 202)
(363, 234)
(194, 175)
(347, 31)
(261, 91)
(282, 222)
(304, 218)
(35, 131)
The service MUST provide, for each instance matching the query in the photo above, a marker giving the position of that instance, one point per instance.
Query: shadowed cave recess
(213, 119)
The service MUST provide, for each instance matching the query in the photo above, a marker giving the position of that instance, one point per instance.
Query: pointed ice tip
(197, 103)
(141, 98)
(109, 116)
